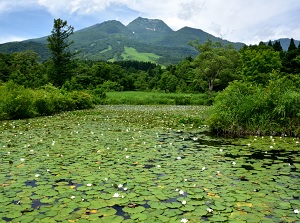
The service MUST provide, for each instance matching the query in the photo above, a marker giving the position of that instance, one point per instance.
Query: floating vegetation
(142, 164)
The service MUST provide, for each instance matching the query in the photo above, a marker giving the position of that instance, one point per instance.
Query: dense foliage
(266, 100)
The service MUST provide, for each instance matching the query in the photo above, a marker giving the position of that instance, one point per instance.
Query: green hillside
(142, 39)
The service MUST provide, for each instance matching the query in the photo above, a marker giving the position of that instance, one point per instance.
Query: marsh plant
(248, 108)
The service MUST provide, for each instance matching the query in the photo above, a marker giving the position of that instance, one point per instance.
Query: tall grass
(154, 98)
(245, 108)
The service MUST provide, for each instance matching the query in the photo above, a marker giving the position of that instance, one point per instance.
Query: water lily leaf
(173, 205)
(14, 214)
(139, 216)
(112, 219)
(163, 218)
(25, 219)
(47, 200)
(218, 218)
(187, 208)
(83, 204)
(134, 210)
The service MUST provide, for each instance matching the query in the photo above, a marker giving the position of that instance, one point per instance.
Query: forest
(254, 90)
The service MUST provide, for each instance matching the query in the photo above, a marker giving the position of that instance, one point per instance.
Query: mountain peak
(143, 24)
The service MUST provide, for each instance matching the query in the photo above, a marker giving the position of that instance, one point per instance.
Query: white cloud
(246, 21)
(11, 38)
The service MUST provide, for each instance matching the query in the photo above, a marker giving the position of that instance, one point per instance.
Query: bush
(98, 95)
(245, 108)
(17, 102)
(82, 100)
(185, 100)
(111, 86)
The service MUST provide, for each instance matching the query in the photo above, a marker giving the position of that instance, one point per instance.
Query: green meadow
(154, 98)
(130, 53)
(129, 163)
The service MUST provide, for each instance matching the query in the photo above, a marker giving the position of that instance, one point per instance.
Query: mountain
(142, 39)
(149, 31)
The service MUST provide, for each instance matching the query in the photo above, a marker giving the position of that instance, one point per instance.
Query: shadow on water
(31, 183)
(274, 155)
(205, 138)
(120, 212)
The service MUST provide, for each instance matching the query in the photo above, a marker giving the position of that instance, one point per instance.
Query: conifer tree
(58, 44)
(290, 62)
(277, 46)
(270, 43)
(292, 46)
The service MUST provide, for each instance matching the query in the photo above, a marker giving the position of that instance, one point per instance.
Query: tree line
(211, 71)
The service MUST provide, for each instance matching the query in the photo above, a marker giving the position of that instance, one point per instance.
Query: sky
(247, 21)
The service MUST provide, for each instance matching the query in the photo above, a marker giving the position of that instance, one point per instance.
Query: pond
(143, 164)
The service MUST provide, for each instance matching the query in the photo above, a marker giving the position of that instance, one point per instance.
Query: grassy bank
(154, 98)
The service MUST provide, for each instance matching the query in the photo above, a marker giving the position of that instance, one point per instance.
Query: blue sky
(248, 21)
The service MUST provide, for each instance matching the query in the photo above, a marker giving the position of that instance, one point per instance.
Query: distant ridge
(111, 41)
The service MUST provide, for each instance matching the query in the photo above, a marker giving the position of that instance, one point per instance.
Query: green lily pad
(139, 217)
(261, 182)
(134, 210)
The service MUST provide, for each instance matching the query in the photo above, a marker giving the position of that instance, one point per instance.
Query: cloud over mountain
(246, 21)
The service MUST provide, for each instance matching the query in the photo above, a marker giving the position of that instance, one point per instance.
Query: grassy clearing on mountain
(130, 53)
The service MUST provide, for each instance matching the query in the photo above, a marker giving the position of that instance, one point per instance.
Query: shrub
(98, 95)
(16, 102)
(185, 100)
(111, 86)
(82, 99)
(245, 108)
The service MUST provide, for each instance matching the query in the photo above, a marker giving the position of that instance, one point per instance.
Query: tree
(5, 67)
(292, 46)
(26, 70)
(168, 82)
(259, 63)
(277, 46)
(270, 43)
(61, 57)
(291, 62)
(215, 62)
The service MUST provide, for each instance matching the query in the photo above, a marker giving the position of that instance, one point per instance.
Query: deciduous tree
(215, 62)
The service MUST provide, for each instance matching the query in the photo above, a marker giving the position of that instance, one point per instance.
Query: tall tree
(292, 45)
(270, 43)
(5, 67)
(291, 61)
(278, 48)
(215, 62)
(259, 63)
(61, 57)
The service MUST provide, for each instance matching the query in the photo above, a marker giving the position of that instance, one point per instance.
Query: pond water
(143, 164)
